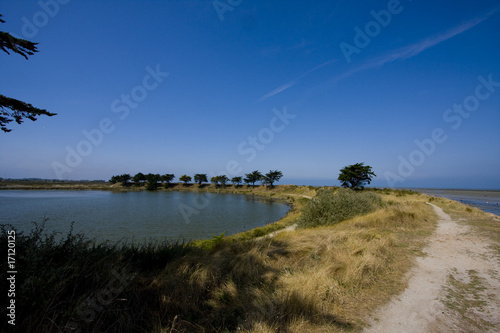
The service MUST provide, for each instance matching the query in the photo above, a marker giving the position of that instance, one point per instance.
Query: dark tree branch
(12, 109)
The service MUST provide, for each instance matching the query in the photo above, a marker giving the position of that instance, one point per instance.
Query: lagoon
(138, 216)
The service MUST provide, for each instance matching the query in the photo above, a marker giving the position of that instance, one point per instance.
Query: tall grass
(323, 279)
(63, 280)
(330, 207)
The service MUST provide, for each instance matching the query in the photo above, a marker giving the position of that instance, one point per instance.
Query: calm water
(486, 200)
(138, 215)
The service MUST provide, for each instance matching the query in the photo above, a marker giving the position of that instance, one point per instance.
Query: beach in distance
(486, 200)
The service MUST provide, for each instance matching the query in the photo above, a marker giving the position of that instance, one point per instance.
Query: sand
(432, 302)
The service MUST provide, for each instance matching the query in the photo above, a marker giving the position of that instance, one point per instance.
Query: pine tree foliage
(12, 109)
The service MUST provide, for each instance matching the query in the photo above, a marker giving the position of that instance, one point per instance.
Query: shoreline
(288, 195)
(276, 193)
(362, 260)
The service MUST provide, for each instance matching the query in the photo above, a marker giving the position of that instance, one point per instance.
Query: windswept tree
(272, 176)
(356, 176)
(253, 177)
(152, 180)
(12, 109)
(185, 179)
(223, 180)
(167, 178)
(124, 179)
(200, 178)
(236, 181)
(215, 180)
(139, 178)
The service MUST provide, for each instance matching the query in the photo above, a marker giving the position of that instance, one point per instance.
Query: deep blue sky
(263, 85)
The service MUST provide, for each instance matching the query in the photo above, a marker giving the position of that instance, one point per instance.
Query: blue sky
(411, 88)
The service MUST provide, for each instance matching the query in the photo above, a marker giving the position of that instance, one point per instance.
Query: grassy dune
(311, 279)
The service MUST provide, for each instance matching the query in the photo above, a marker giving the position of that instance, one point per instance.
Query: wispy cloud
(294, 81)
(277, 90)
(416, 48)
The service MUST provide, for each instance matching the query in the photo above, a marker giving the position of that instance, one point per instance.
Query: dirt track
(454, 288)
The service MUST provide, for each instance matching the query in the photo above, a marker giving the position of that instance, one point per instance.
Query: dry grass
(323, 279)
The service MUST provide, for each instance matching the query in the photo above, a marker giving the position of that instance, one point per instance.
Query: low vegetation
(330, 207)
(324, 277)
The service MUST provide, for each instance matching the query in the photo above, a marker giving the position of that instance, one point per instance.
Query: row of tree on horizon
(152, 181)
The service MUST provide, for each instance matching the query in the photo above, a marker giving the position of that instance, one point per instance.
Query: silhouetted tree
(236, 180)
(184, 178)
(138, 178)
(167, 178)
(272, 176)
(253, 177)
(215, 180)
(121, 178)
(223, 180)
(219, 179)
(12, 109)
(152, 180)
(200, 178)
(355, 176)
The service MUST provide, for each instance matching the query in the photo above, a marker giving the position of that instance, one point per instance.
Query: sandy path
(454, 288)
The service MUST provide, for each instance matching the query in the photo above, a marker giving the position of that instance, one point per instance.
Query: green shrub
(329, 207)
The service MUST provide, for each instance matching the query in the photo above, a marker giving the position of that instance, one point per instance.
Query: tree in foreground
(253, 177)
(272, 176)
(356, 176)
(12, 109)
(184, 178)
(200, 178)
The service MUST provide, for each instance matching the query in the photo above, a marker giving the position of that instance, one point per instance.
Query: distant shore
(485, 200)
(106, 186)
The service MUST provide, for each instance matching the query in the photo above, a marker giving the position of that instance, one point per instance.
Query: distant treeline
(152, 181)
(50, 180)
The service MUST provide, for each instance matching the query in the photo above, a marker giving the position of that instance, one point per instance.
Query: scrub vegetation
(324, 276)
